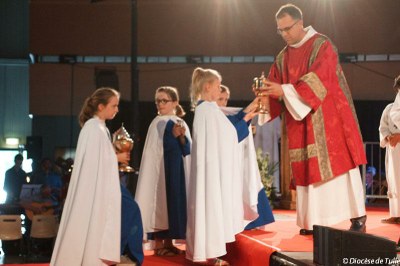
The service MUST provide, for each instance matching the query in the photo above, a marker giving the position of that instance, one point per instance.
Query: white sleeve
(294, 103)
(384, 127)
(394, 113)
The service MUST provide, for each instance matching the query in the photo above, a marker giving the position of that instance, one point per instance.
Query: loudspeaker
(34, 147)
(339, 247)
(106, 77)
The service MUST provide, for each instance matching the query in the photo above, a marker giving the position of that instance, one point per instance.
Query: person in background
(307, 86)
(389, 135)
(67, 167)
(266, 138)
(161, 188)
(47, 175)
(43, 203)
(90, 227)
(224, 96)
(215, 193)
(131, 225)
(369, 179)
(15, 177)
(131, 220)
(250, 173)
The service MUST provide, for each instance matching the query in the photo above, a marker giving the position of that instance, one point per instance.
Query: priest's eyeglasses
(162, 101)
(287, 29)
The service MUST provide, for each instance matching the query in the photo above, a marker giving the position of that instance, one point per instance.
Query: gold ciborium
(123, 143)
(258, 83)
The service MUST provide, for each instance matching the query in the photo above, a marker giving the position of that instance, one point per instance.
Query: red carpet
(256, 246)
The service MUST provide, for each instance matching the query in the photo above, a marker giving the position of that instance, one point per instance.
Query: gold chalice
(123, 143)
(258, 83)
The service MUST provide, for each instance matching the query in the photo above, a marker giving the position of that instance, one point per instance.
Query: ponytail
(91, 104)
(179, 112)
(200, 77)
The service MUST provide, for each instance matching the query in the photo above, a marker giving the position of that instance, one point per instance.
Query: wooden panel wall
(198, 27)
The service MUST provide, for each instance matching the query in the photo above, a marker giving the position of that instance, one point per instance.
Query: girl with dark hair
(89, 232)
(161, 189)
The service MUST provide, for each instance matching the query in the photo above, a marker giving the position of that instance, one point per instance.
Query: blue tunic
(241, 126)
(175, 186)
(265, 215)
(131, 227)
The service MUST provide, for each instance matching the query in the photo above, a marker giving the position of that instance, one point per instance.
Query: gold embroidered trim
(316, 46)
(324, 162)
(346, 91)
(318, 149)
(303, 154)
(315, 84)
(279, 60)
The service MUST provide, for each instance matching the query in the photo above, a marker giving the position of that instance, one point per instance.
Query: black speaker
(34, 147)
(339, 247)
(106, 77)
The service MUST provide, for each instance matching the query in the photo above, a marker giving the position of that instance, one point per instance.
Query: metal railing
(375, 185)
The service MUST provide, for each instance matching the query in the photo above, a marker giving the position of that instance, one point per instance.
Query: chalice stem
(260, 107)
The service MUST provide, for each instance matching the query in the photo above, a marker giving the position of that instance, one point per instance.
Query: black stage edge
(306, 259)
(332, 247)
(291, 259)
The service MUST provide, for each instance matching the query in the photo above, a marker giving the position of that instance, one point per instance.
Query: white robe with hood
(150, 191)
(215, 202)
(250, 173)
(90, 228)
(390, 124)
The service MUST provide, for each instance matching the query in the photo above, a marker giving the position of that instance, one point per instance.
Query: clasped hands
(179, 132)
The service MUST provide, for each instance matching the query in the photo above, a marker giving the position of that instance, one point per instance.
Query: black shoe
(305, 232)
(358, 224)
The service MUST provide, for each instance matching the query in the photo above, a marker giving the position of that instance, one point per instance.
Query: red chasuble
(327, 142)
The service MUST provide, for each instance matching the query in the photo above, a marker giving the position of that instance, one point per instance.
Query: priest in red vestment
(307, 84)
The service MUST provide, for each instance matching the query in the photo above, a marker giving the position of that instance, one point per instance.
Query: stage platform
(280, 243)
(277, 244)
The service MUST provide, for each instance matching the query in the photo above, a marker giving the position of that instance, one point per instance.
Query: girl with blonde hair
(215, 193)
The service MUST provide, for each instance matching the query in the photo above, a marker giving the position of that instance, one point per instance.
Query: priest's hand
(124, 157)
(272, 89)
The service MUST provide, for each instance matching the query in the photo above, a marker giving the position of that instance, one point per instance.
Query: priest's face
(290, 29)
(165, 105)
(108, 111)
